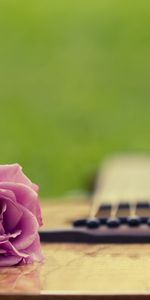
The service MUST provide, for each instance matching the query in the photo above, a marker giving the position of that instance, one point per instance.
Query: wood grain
(123, 178)
(75, 271)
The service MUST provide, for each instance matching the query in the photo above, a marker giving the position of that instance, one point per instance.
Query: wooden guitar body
(81, 270)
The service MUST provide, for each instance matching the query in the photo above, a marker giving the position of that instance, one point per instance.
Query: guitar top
(120, 206)
(93, 270)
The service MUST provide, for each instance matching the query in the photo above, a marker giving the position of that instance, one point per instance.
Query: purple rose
(20, 218)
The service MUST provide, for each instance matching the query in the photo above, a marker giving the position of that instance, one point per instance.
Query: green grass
(74, 86)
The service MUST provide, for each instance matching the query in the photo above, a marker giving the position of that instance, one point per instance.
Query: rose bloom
(20, 218)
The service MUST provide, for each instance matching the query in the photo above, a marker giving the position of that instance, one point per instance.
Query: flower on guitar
(20, 218)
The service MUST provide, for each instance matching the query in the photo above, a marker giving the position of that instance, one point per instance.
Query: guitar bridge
(120, 210)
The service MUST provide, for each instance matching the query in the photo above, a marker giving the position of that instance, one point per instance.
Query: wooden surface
(123, 178)
(80, 271)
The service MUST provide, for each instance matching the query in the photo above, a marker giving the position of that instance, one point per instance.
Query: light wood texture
(75, 271)
(123, 178)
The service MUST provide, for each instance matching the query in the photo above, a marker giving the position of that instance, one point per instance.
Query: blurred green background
(74, 86)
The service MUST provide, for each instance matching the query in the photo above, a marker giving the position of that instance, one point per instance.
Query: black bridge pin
(113, 220)
(79, 223)
(93, 223)
(133, 219)
(148, 221)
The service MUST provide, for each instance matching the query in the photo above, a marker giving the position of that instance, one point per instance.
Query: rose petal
(8, 261)
(29, 228)
(34, 251)
(2, 231)
(14, 234)
(13, 173)
(3, 209)
(2, 251)
(5, 193)
(25, 196)
(13, 213)
(11, 250)
(5, 237)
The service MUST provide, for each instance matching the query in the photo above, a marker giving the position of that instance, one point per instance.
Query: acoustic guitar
(96, 248)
